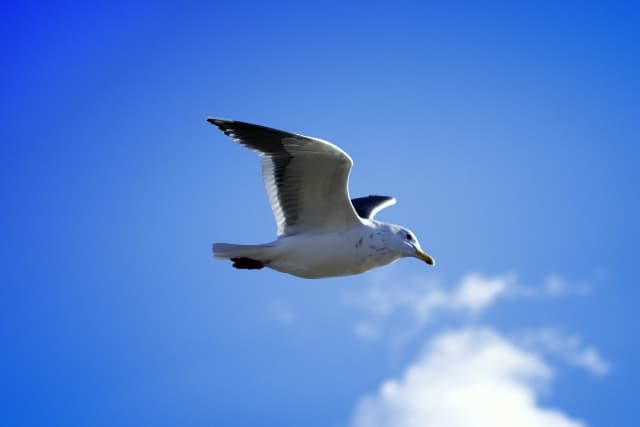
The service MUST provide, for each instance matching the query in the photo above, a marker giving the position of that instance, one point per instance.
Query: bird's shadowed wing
(368, 207)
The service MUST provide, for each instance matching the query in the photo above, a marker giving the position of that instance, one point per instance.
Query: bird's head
(406, 243)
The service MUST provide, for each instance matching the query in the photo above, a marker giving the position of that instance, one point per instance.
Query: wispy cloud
(424, 299)
(569, 348)
(366, 330)
(553, 286)
(282, 313)
(470, 377)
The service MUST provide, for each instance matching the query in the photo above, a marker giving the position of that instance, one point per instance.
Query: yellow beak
(425, 257)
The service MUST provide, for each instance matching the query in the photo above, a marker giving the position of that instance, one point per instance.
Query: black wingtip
(217, 121)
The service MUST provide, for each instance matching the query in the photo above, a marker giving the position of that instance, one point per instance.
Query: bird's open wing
(306, 178)
(368, 207)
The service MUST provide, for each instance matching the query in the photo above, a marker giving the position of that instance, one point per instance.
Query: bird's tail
(230, 250)
(244, 256)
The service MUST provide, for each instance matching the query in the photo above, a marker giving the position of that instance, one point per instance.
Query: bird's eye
(409, 236)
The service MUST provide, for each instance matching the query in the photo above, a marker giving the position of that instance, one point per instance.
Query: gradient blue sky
(508, 134)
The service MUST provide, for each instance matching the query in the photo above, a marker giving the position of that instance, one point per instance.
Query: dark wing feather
(368, 207)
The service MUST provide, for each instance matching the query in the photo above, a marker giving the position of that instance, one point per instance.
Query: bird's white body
(314, 255)
(352, 251)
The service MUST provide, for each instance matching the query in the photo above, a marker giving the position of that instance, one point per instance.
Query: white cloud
(472, 377)
(569, 348)
(474, 294)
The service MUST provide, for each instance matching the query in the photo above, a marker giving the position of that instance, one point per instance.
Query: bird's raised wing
(368, 207)
(306, 178)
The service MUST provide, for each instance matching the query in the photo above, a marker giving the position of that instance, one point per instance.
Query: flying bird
(321, 231)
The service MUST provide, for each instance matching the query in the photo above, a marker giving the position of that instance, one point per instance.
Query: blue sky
(508, 134)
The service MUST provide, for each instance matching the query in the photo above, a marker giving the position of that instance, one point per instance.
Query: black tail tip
(247, 263)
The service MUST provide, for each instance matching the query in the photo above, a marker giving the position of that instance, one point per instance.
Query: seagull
(321, 231)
